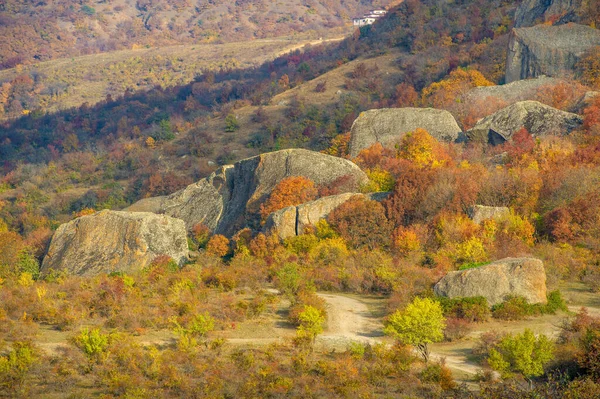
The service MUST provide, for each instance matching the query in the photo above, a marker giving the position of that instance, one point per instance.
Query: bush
(440, 374)
(514, 308)
(93, 343)
(472, 309)
(456, 329)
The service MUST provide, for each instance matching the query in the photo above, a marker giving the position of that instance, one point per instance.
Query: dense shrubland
(60, 166)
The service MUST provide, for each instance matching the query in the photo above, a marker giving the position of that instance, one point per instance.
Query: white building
(369, 19)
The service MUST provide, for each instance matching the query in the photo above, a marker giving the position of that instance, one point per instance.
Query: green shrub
(93, 343)
(473, 309)
(514, 308)
(471, 265)
(15, 365)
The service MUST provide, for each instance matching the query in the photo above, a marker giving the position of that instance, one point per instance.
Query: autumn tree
(445, 92)
(311, 324)
(218, 245)
(422, 149)
(362, 223)
(294, 190)
(420, 324)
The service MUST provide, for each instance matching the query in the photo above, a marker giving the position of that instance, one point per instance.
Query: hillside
(70, 82)
(396, 213)
(42, 31)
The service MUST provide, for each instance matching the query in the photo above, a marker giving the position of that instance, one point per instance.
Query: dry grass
(70, 82)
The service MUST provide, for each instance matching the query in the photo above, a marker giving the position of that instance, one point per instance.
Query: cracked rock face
(230, 198)
(110, 241)
(537, 118)
(388, 126)
(548, 50)
(532, 12)
(496, 281)
(294, 220)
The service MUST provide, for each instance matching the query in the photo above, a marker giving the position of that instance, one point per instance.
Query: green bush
(473, 309)
(514, 308)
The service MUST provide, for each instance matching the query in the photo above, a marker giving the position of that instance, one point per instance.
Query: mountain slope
(45, 30)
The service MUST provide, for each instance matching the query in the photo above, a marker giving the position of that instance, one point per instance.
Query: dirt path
(349, 320)
(312, 43)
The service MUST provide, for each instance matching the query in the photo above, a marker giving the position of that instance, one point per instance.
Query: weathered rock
(110, 241)
(230, 198)
(496, 281)
(537, 118)
(294, 220)
(548, 50)
(479, 213)
(586, 100)
(283, 222)
(388, 126)
(510, 93)
(532, 12)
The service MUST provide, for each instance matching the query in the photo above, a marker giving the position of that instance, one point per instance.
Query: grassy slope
(70, 82)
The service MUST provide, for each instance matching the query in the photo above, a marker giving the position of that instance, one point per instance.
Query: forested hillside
(41, 31)
(383, 216)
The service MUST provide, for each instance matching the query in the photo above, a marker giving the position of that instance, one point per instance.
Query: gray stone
(230, 198)
(496, 281)
(110, 241)
(537, 118)
(532, 12)
(479, 213)
(510, 93)
(548, 50)
(387, 126)
(294, 220)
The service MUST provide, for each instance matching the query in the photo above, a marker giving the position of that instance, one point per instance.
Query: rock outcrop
(479, 213)
(229, 199)
(294, 220)
(510, 93)
(532, 12)
(496, 281)
(548, 50)
(537, 118)
(110, 241)
(388, 126)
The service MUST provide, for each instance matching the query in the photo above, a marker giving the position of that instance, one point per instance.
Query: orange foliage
(218, 245)
(445, 92)
(290, 191)
(361, 223)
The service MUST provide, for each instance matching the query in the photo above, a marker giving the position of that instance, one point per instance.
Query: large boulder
(294, 220)
(532, 12)
(230, 198)
(110, 241)
(537, 118)
(496, 281)
(510, 93)
(548, 50)
(388, 126)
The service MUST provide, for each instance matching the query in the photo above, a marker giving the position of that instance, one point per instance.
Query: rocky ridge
(229, 199)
